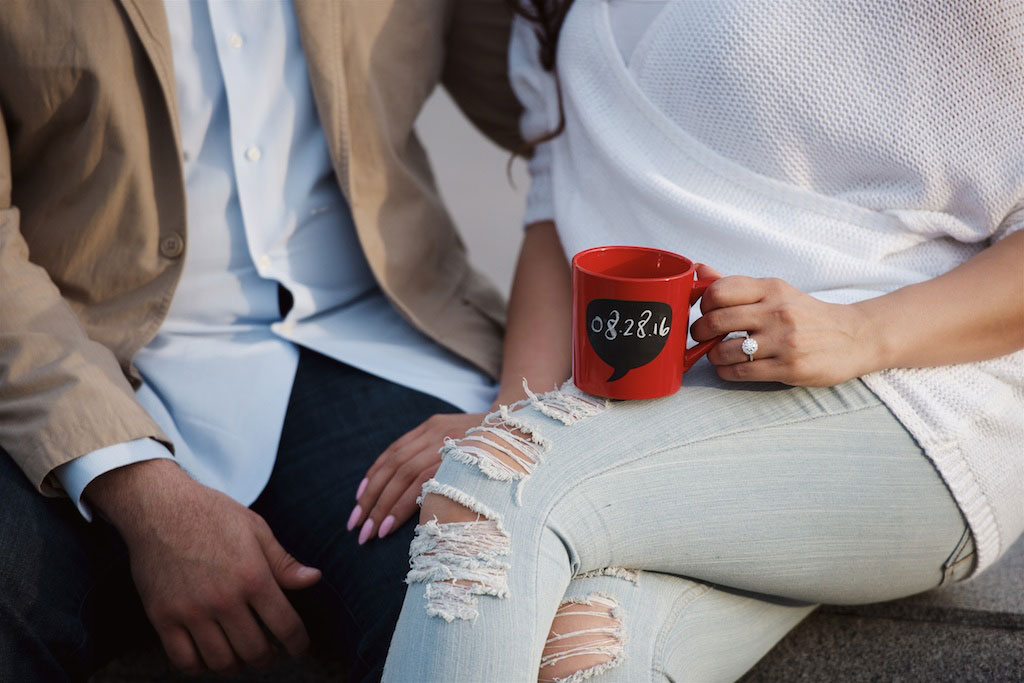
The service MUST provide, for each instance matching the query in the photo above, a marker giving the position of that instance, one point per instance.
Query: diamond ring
(749, 347)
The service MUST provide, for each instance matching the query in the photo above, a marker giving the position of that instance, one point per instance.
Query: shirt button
(235, 41)
(172, 245)
(263, 263)
(253, 153)
(286, 327)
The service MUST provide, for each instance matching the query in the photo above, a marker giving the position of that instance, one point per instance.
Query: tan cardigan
(92, 200)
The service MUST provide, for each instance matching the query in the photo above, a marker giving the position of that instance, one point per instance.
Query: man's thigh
(339, 420)
(67, 602)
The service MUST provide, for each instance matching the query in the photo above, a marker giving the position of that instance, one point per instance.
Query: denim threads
(631, 575)
(459, 561)
(567, 404)
(607, 639)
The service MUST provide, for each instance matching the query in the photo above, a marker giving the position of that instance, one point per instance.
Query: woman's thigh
(645, 626)
(814, 494)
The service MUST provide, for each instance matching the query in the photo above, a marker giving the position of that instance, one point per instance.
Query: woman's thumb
(706, 272)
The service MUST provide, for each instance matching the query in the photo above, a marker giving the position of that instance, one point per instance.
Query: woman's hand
(801, 341)
(387, 496)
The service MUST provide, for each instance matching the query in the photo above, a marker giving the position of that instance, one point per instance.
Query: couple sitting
(232, 303)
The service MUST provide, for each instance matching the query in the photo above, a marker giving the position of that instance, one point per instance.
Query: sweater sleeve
(537, 91)
(1013, 222)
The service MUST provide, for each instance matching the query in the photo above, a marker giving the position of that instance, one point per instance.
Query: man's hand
(387, 496)
(205, 567)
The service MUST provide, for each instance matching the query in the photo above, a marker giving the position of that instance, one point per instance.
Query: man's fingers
(409, 473)
(270, 603)
(214, 648)
(247, 638)
(292, 574)
(281, 618)
(287, 571)
(180, 649)
(405, 507)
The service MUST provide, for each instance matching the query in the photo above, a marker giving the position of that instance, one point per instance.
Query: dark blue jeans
(67, 601)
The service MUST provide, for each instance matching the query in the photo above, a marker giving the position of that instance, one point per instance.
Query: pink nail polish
(357, 512)
(366, 532)
(362, 487)
(385, 526)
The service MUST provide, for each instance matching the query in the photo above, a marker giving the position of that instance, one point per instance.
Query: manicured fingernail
(357, 512)
(366, 532)
(385, 526)
(362, 487)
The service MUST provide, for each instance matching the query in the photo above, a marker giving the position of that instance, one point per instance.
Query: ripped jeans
(676, 539)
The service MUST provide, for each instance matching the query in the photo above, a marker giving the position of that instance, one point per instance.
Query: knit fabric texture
(849, 147)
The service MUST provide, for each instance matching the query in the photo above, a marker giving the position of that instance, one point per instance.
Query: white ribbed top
(850, 147)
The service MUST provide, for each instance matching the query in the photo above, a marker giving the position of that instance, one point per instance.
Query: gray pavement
(972, 631)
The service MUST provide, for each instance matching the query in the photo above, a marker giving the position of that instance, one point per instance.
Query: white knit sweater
(849, 147)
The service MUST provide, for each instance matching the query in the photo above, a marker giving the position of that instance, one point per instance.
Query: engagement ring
(749, 347)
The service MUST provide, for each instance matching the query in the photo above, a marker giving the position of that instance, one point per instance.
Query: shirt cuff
(539, 199)
(74, 476)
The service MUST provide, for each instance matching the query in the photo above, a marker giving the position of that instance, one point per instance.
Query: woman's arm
(538, 336)
(537, 342)
(973, 312)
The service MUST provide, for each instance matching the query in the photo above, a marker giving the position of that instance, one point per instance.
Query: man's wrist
(121, 493)
(76, 475)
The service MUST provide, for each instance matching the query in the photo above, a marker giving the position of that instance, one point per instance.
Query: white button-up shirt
(264, 209)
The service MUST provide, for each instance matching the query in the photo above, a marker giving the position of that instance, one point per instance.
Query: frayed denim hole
(604, 636)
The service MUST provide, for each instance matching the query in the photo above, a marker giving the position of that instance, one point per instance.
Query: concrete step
(967, 632)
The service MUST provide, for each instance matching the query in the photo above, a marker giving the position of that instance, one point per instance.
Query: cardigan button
(172, 245)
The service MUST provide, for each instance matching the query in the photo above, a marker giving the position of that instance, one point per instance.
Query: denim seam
(647, 454)
(682, 603)
(789, 423)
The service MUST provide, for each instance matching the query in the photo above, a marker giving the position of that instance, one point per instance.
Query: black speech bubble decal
(627, 334)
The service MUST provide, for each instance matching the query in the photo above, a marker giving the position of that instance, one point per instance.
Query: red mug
(631, 312)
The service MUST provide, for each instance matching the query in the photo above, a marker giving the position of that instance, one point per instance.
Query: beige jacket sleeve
(476, 69)
(62, 395)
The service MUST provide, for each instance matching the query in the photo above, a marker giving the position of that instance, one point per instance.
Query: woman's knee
(462, 548)
(459, 553)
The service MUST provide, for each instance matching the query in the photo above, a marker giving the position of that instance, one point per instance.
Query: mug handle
(694, 354)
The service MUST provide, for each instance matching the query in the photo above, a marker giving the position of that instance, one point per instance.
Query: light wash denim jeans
(696, 530)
